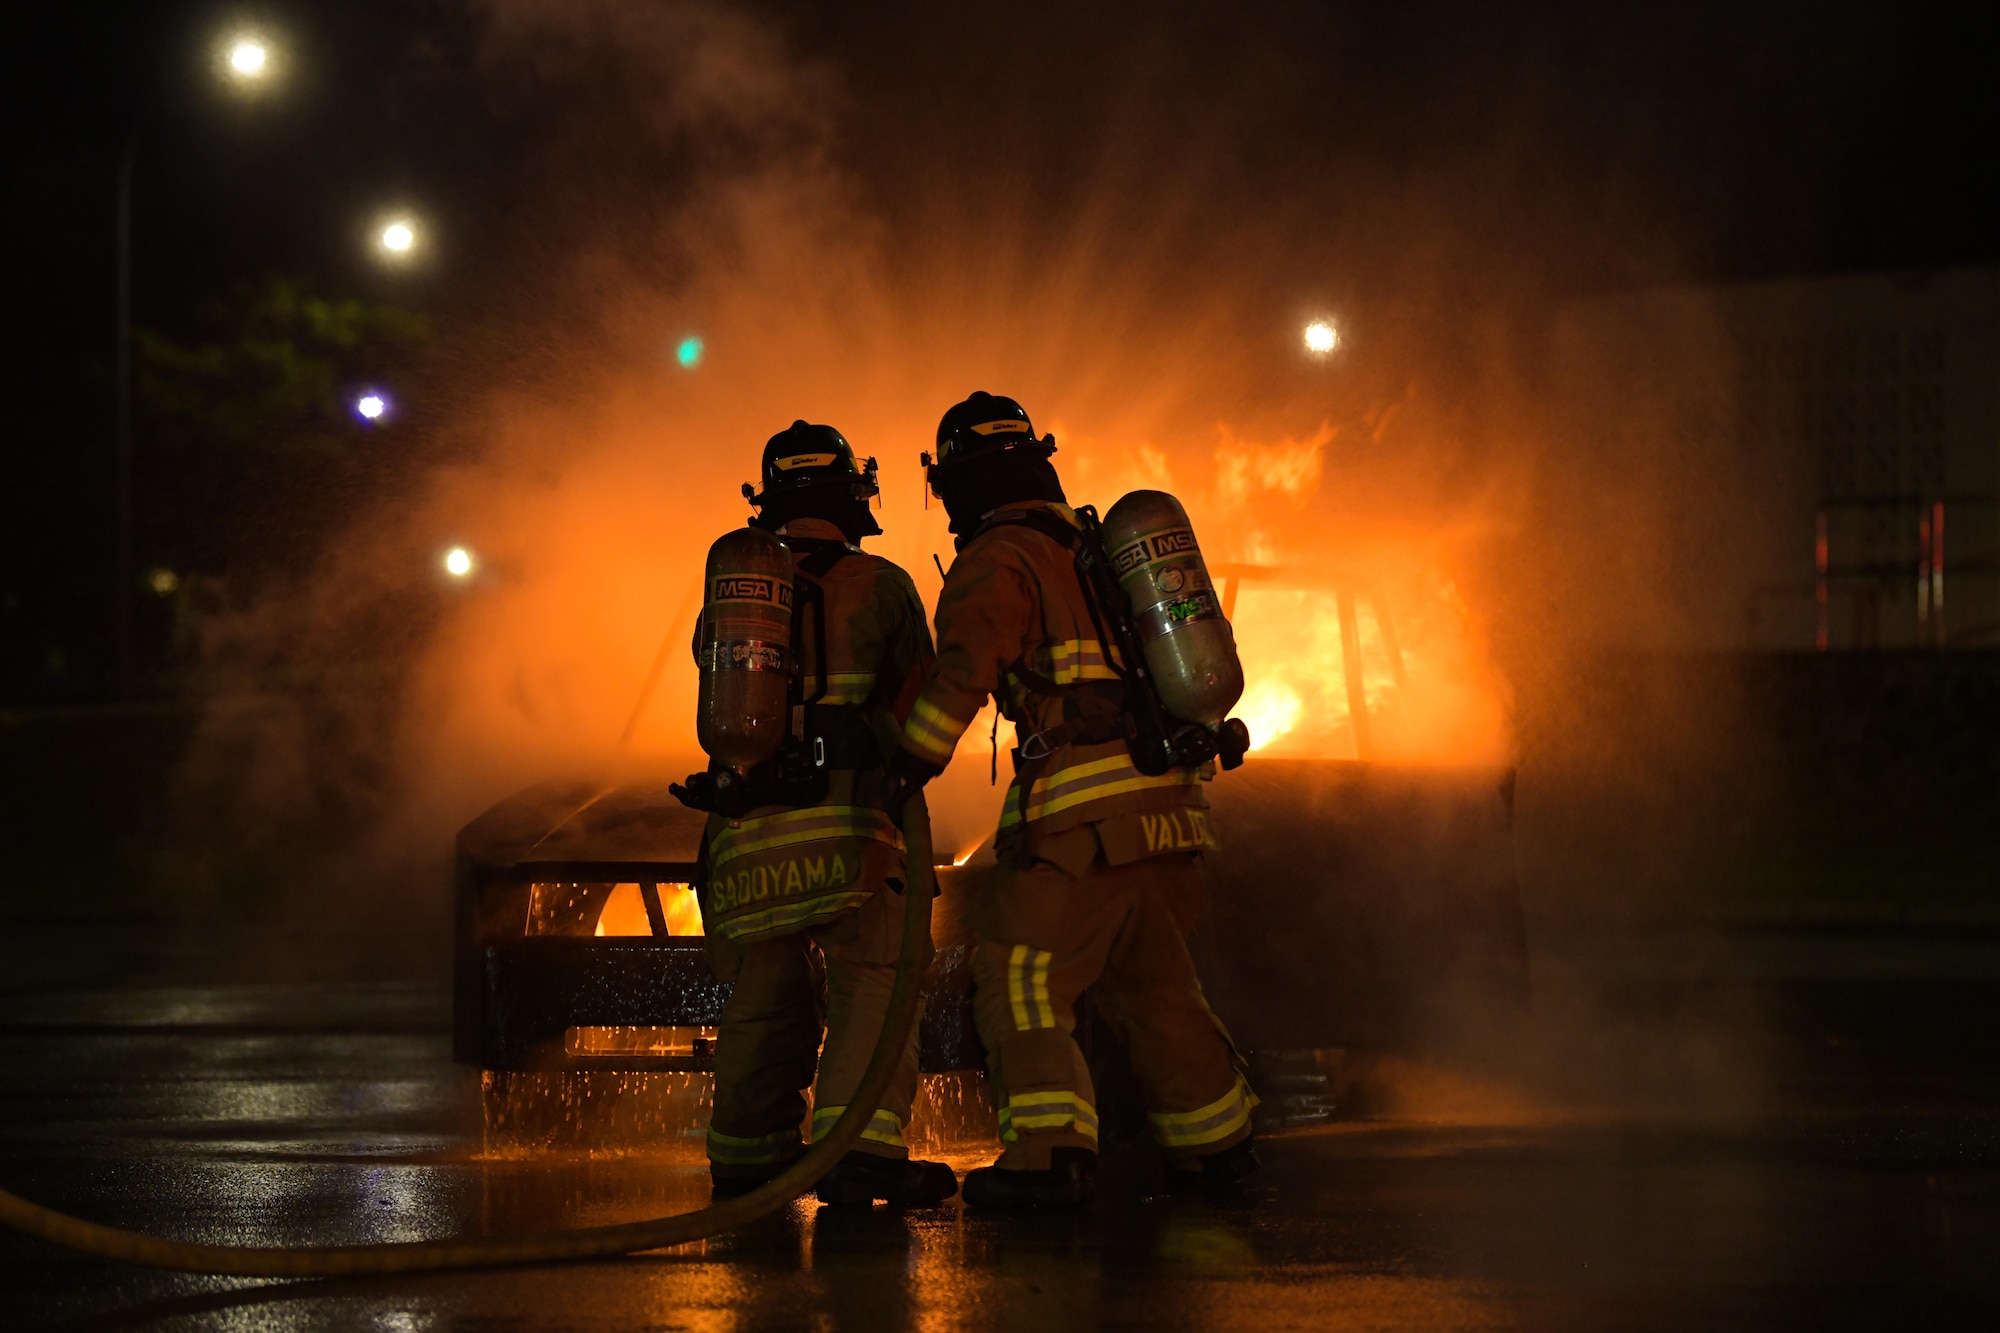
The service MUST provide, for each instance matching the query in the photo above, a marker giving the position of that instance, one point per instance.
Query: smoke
(1133, 252)
(681, 172)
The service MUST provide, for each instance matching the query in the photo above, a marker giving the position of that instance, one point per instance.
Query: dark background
(1684, 142)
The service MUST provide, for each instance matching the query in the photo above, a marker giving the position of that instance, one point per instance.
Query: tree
(250, 447)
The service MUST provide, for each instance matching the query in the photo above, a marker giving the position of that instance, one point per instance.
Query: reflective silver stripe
(849, 687)
(1218, 1120)
(811, 824)
(1028, 988)
(756, 1151)
(1032, 1112)
(1094, 780)
(743, 655)
(1073, 660)
(884, 1127)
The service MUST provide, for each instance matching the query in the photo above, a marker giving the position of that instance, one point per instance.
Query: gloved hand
(907, 775)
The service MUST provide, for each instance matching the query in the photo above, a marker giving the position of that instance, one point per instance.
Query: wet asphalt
(1857, 1185)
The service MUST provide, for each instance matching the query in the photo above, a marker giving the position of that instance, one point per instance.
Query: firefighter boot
(861, 1178)
(1222, 1177)
(1070, 1182)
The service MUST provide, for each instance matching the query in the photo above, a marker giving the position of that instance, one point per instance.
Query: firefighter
(794, 896)
(1099, 878)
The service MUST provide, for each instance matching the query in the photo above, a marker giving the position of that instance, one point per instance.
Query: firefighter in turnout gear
(794, 894)
(1099, 878)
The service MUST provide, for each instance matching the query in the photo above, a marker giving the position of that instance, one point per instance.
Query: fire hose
(134, 1247)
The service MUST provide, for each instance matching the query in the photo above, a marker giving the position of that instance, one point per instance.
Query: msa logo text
(751, 590)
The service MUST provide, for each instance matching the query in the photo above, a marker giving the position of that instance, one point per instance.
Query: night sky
(1688, 143)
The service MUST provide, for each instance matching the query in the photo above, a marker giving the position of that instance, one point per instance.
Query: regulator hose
(134, 1247)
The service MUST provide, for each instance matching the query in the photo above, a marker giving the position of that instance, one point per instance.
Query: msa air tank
(744, 655)
(1190, 649)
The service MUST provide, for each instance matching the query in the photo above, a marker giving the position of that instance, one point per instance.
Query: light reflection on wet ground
(333, 1115)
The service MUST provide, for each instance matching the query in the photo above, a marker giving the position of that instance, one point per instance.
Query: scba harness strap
(839, 732)
(826, 737)
(1093, 712)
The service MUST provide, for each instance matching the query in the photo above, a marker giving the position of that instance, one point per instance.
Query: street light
(1321, 337)
(458, 562)
(246, 61)
(371, 406)
(249, 58)
(398, 238)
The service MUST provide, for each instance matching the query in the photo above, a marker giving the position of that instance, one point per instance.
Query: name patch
(794, 877)
(1178, 830)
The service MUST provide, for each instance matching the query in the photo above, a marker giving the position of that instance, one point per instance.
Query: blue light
(371, 406)
(689, 352)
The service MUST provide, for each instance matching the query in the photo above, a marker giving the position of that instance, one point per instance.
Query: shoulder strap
(1041, 520)
(815, 557)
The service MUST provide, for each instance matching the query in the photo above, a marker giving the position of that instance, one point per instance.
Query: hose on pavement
(134, 1247)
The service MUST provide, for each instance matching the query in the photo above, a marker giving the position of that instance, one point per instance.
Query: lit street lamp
(371, 406)
(249, 59)
(398, 239)
(246, 61)
(1321, 337)
(458, 562)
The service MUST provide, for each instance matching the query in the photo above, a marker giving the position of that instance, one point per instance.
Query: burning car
(1356, 902)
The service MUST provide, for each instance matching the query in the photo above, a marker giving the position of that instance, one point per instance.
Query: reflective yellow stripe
(812, 824)
(932, 732)
(1030, 1111)
(1098, 780)
(1218, 1120)
(1028, 988)
(884, 1127)
(1073, 660)
(848, 687)
(791, 915)
(758, 1151)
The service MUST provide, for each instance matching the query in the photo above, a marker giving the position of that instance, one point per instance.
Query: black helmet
(804, 461)
(983, 426)
(988, 456)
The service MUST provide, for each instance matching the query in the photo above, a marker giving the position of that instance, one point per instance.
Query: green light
(689, 352)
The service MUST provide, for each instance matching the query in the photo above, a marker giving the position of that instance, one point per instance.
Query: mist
(1128, 237)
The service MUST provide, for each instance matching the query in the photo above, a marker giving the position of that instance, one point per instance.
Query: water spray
(147, 1251)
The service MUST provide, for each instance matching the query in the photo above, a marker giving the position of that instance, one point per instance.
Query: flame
(1271, 709)
(540, 671)
(625, 911)
(1428, 692)
(1291, 579)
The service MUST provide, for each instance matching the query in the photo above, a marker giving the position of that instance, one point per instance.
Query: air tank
(1190, 649)
(744, 653)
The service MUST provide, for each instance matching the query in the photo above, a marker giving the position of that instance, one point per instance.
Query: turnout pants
(1044, 935)
(769, 1040)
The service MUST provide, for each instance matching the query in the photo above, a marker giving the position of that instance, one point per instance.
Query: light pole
(248, 62)
(122, 371)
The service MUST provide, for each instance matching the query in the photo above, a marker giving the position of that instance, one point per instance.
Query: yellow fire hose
(135, 1247)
